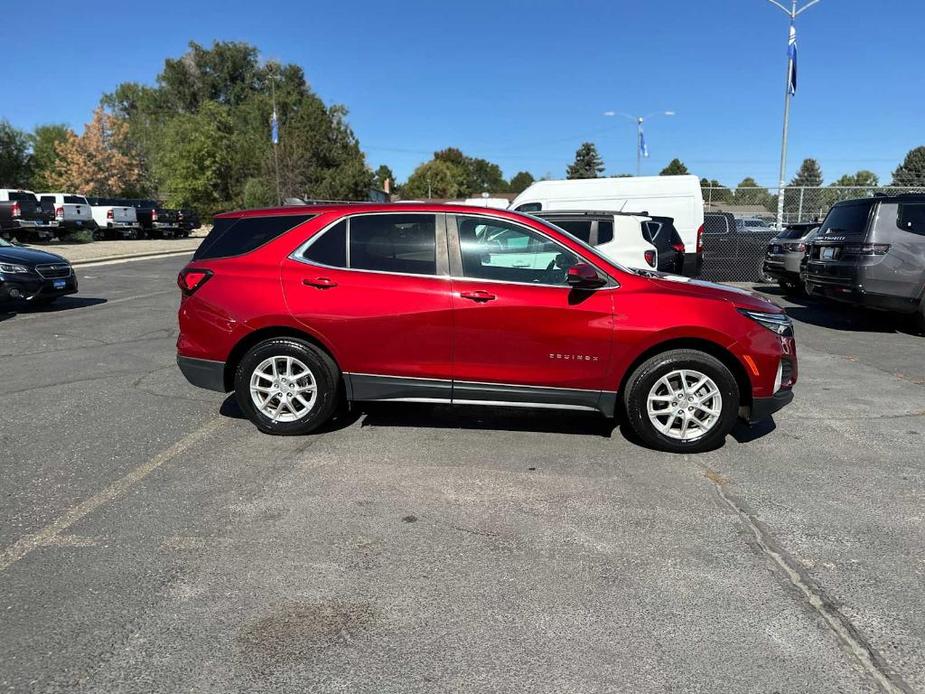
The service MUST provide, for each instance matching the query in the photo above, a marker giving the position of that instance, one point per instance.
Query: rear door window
(530, 207)
(911, 217)
(716, 224)
(231, 237)
(604, 232)
(403, 243)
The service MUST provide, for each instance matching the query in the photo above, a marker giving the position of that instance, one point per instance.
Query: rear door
(522, 335)
(376, 287)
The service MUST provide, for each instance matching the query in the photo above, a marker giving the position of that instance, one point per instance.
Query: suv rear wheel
(682, 401)
(287, 386)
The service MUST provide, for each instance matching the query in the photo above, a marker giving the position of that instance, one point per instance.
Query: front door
(376, 288)
(522, 334)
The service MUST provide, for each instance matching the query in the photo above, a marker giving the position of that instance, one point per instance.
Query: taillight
(678, 246)
(700, 239)
(650, 258)
(866, 248)
(59, 212)
(192, 279)
(109, 214)
(15, 210)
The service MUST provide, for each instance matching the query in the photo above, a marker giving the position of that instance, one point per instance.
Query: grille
(54, 270)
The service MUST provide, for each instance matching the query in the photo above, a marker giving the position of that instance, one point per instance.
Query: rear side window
(530, 207)
(330, 248)
(404, 243)
(604, 232)
(231, 237)
(912, 217)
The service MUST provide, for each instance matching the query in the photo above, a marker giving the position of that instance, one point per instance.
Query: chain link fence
(739, 222)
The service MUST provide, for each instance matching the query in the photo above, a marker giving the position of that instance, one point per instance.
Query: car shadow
(65, 303)
(487, 418)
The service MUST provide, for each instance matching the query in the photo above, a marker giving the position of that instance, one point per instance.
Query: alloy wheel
(684, 404)
(283, 388)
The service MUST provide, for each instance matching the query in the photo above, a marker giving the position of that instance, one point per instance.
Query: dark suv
(871, 252)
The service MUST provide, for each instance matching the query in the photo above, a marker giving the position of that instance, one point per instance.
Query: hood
(30, 256)
(741, 298)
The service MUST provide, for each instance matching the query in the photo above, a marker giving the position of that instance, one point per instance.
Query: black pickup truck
(733, 252)
(24, 218)
(154, 218)
(187, 220)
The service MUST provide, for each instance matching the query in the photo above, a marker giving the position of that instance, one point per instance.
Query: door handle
(479, 295)
(319, 282)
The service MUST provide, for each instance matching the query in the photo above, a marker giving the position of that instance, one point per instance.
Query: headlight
(11, 269)
(779, 323)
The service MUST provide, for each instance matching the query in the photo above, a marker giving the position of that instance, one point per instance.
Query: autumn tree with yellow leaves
(96, 163)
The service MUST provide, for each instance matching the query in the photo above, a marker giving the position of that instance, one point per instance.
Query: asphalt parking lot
(152, 540)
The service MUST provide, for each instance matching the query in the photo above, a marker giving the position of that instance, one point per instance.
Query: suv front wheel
(287, 386)
(682, 401)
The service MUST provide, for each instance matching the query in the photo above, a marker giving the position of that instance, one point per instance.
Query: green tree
(587, 164)
(675, 168)
(436, 178)
(45, 140)
(748, 192)
(912, 171)
(195, 153)
(809, 174)
(860, 178)
(714, 191)
(258, 194)
(383, 174)
(474, 175)
(520, 182)
(15, 159)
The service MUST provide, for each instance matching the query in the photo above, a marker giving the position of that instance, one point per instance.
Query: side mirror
(584, 276)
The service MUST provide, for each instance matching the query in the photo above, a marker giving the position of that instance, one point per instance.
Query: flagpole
(275, 138)
(639, 120)
(789, 91)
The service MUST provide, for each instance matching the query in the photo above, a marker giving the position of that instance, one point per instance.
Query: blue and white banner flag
(643, 150)
(274, 128)
(792, 55)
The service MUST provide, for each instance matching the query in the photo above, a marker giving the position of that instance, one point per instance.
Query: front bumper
(203, 373)
(30, 288)
(762, 408)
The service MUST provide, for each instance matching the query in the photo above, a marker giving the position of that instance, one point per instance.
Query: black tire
(642, 380)
(323, 369)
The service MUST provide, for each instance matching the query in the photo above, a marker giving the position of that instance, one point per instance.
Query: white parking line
(49, 533)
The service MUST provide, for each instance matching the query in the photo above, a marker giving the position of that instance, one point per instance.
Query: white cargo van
(678, 197)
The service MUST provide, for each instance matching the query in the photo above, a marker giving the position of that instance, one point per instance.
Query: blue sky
(524, 83)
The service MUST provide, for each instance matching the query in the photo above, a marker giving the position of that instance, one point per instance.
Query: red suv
(299, 308)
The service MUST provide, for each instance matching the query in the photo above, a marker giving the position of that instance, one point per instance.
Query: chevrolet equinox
(297, 309)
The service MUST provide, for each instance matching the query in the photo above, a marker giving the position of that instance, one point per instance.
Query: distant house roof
(737, 210)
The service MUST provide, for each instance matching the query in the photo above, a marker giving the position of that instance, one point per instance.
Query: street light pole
(789, 91)
(638, 120)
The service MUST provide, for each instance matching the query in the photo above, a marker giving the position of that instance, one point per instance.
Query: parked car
(733, 252)
(296, 309)
(661, 232)
(72, 212)
(619, 237)
(753, 224)
(871, 253)
(678, 197)
(785, 254)
(23, 217)
(114, 219)
(153, 217)
(187, 220)
(33, 276)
